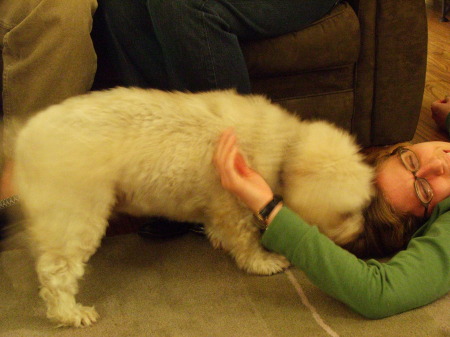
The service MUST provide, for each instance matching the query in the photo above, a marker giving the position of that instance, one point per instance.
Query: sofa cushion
(332, 41)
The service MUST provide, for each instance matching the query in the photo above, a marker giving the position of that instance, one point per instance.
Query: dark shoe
(9, 212)
(165, 228)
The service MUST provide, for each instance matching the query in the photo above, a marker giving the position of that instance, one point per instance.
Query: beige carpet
(182, 287)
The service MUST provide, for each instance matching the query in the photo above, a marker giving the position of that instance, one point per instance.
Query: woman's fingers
(224, 159)
(222, 148)
(235, 175)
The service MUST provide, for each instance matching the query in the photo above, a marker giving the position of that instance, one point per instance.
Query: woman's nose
(433, 167)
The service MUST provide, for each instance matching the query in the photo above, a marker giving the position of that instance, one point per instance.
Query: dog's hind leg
(58, 276)
(63, 238)
(232, 228)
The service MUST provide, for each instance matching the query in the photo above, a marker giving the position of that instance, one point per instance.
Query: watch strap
(265, 212)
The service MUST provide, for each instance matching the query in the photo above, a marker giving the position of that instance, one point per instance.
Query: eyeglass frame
(399, 151)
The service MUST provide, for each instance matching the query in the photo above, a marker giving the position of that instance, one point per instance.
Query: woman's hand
(237, 177)
(440, 110)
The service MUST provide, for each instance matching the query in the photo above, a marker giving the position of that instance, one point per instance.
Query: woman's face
(397, 183)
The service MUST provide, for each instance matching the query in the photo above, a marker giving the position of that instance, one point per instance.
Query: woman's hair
(386, 231)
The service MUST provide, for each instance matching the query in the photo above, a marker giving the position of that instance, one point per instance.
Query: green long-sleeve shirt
(412, 278)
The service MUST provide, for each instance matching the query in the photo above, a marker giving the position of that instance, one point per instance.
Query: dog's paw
(79, 317)
(265, 264)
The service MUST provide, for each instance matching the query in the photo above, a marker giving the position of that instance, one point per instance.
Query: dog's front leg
(232, 228)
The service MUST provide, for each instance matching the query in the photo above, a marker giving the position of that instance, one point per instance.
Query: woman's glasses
(421, 185)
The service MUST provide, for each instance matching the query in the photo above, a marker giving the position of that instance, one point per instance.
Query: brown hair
(386, 231)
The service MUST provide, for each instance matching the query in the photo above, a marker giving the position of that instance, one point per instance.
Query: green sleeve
(412, 278)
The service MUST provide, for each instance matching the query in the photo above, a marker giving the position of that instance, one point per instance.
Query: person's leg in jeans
(132, 46)
(47, 56)
(194, 44)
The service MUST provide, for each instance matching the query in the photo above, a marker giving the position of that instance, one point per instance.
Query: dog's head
(327, 182)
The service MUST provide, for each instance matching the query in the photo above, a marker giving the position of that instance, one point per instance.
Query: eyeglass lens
(422, 186)
(410, 160)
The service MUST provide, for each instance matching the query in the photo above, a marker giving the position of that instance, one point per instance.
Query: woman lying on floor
(413, 186)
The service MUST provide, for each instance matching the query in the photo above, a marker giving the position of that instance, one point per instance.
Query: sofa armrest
(390, 73)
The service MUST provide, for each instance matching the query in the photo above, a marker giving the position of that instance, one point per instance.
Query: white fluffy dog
(149, 153)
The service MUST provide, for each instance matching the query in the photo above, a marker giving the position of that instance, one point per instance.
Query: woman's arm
(411, 279)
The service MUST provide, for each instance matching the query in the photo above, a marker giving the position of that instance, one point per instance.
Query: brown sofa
(361, 67)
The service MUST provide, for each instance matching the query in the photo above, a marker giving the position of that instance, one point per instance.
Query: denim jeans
(194, 45)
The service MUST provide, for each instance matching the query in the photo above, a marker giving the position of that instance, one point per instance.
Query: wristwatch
(262, 216)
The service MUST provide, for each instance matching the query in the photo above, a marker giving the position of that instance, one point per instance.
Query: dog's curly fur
(148, 152)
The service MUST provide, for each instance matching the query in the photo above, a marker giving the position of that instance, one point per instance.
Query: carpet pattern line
(308, 304)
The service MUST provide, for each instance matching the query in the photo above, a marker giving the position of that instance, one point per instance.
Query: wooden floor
(437, 84)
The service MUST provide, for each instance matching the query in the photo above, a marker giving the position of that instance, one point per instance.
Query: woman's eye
(410, 162)
(424, 190)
